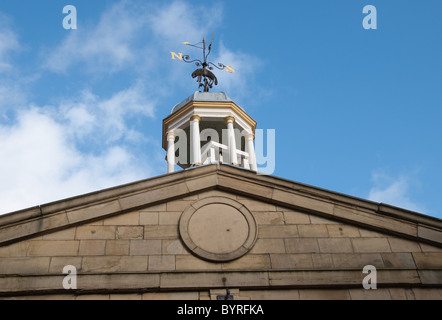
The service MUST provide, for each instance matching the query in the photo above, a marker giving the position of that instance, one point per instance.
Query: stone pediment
(111, 202)
(198, 230)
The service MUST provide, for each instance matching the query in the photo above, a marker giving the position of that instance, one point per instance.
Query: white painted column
(251, 150)
(196, 140)
(170, 151)
(231, 140)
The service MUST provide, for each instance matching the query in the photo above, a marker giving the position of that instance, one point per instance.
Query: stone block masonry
(294, 250)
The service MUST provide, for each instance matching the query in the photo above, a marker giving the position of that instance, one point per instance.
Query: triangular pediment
(194, 228)
(231, 180)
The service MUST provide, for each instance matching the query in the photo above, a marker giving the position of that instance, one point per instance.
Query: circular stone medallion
(218, 229)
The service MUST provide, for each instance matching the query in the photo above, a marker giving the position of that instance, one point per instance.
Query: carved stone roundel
(218, 229)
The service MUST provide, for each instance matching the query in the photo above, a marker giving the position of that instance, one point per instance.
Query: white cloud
(105, 47)
(237, 83)
(106, 118)
(34, 154)
(395, 191)
(179, 22)
(8, 42)
(11, 96)
(41, 163)
(79, 146)
(122, 37)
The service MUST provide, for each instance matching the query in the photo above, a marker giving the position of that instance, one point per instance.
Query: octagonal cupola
(207, 128)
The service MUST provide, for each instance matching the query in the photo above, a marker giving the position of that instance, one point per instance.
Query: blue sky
(354, 111)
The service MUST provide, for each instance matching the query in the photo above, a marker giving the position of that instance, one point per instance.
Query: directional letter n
(179, 55)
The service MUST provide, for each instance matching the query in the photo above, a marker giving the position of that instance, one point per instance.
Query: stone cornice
(189, 280)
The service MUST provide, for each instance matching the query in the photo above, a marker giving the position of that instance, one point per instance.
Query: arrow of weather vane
(204, 75)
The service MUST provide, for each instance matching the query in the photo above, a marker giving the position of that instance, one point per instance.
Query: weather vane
(204, 76)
